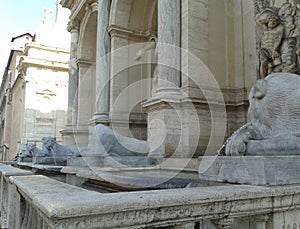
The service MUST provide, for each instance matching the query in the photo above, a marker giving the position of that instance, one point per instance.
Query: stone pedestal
(110, 161)
(254, 170)
(50, 160)
(25, 159)
(164, 128)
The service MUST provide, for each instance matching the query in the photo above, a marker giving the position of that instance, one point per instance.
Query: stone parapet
(67, 206)
(7, 196)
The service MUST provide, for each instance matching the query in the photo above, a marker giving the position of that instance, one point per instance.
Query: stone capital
(73, 25)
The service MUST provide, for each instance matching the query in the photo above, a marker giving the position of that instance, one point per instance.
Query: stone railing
(41, 202)
(7, 195)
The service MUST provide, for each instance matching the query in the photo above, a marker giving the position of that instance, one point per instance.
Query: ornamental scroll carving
(277, 34)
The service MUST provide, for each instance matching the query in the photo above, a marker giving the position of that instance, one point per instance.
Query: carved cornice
(67, 3)
(26, 62)
(116, 31)
(80, 8)
(84, 63)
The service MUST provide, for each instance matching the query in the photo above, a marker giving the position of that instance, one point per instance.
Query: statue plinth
(60, 160)
(253, 170)
(114, 161)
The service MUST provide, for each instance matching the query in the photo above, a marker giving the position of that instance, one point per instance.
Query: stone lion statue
(274, 118)
(107, 142)
(33, 151)
(56, 149)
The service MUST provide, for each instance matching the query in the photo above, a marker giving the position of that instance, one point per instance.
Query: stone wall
(28, 204)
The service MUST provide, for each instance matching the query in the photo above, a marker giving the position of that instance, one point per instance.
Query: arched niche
(86, 60)
(88, 34)
(131, 22)
(135, 15)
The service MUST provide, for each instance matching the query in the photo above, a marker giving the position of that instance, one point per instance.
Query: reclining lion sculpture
(274, 118)
(58, 150)
(106, 142)
(33, 151)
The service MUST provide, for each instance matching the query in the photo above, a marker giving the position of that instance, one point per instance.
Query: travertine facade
(186, 88)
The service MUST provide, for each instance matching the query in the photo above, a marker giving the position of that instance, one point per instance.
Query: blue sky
(18, 17)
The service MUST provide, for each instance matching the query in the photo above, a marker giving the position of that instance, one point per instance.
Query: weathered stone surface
(254, 170)
(25, 159)
(102, 161)
(274, 118)
(284, 220)
(8, 195)
(57, 150)
(58, 160)
(67, 206)
(277, 37)
(103, 63)
(104, 141)
(33, 151)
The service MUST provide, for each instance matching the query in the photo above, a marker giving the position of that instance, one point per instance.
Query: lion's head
(30, 147)
(48, 142)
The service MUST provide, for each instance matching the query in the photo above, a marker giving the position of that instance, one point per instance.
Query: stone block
(285, 220)
(50, 160)
(110, 161)
(254, 170)
(25, 159)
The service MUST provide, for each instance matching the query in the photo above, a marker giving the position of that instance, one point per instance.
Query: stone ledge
(7, 170)
(79, 208)
(254, 170)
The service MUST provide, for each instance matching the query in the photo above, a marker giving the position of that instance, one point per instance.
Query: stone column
(102, 63)
(164, 115)
(73, 28)
(168, 68)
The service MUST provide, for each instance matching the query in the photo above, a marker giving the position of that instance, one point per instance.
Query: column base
(68, 134)
(167, 94)
(99, 118)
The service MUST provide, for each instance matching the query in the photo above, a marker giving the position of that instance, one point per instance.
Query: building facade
(119, 75)
(36, 85)
(9, 76)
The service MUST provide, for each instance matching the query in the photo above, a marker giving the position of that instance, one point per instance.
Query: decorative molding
(46, 48)
(84, 63)
(26, 62)
(67, 3)
(80, 7)
(116, 31)
(232, 97)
